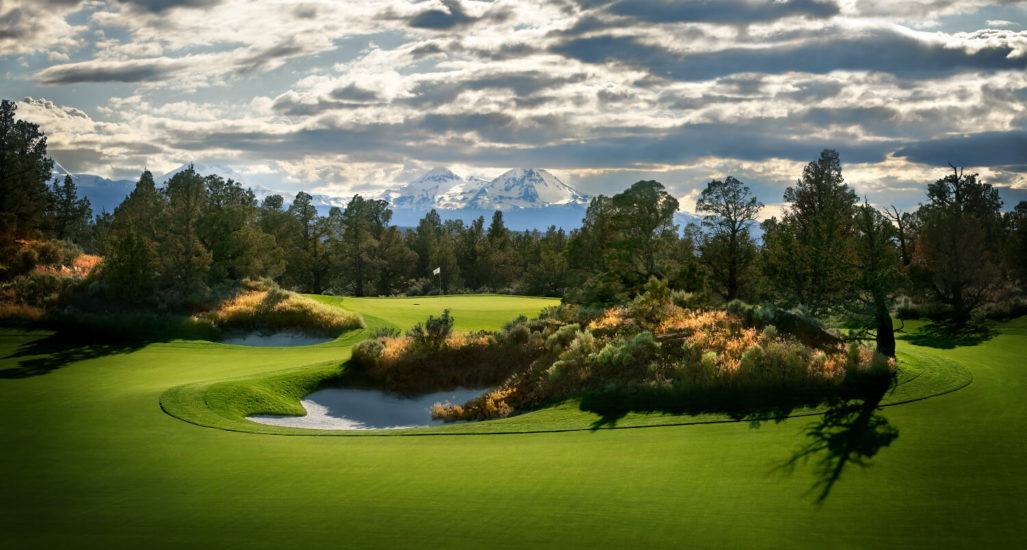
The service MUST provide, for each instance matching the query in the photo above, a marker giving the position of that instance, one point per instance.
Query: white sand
(278, 339)
(352, 409)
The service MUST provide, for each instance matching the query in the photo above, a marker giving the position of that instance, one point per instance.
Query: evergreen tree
(547, 269)
(957, 256)
(131, 268)
(473, 254)
(230, 231)
(809, 253)
(424, 240)
(644, 219)
(727, 247)
(142, 209)
(67, 215)
(185, 260)
(281, 230)
(307, 257)
(363, 223)
(1016, 243)
(397, 262)
(24, 172)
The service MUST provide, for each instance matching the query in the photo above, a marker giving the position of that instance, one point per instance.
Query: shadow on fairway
(945, 336)
(48, 354)
(851, 432)
(755, 405)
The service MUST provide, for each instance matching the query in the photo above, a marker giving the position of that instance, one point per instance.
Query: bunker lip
(367, 409)
(273, 339)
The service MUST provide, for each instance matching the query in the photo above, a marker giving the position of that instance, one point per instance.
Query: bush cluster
(660, 349)
(266, 308)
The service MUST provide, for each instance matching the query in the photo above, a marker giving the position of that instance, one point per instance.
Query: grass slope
(90, 460)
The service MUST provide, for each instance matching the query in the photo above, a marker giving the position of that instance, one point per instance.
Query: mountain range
(530, 198)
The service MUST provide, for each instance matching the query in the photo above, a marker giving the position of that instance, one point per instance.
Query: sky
(359, 96)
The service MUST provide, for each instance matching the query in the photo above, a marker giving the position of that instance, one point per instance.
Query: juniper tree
(727, 247)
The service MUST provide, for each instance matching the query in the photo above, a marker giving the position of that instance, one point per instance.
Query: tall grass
(277, 310)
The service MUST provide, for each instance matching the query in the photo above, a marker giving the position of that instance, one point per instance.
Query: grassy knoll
(90, 460)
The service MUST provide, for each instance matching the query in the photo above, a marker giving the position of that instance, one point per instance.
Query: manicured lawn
(470, 311)
(89, 459)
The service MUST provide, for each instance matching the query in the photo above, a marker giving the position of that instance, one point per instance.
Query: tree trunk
(885, 330)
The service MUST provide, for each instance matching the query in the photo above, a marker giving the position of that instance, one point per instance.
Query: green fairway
(471, 311)
(89, 459)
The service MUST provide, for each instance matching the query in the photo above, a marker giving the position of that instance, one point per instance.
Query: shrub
(564, 313)
(563, 336)
(384, 332)
(20, 313)
(432, 334)
(368, 353)
(276, 310)
(650, 307)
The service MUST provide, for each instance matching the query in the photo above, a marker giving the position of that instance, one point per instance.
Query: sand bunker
(279, 339)
(352, 409)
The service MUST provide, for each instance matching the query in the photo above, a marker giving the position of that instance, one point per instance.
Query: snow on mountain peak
(516, 188)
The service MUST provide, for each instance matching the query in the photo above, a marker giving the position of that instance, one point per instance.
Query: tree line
(829, 252)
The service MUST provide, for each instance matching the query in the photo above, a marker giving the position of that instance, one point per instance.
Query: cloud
(352, 92)
(361, 92)
(881, 50)
(30, 26)
(1005, 149)
(732, 12)
(160, 6)
(263, 59)
(144, 70)
(452, 16)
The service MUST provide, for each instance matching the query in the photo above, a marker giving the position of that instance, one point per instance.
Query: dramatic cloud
(1005, 149)
(881, 50)
(735, 12)
(337, 97)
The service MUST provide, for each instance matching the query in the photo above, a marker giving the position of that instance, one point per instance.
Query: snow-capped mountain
(517, 188)
(526, 188)
(424, 191)
(104, 194)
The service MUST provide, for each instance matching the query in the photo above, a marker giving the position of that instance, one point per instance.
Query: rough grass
(90, 461)
(276, 310)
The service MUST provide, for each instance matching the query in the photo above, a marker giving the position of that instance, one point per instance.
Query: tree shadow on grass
(754, 405)
(851, 432)
(48, 354)
(947, 336)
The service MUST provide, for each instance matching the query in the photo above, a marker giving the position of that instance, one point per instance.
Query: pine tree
(808, 255)
(24, 172)
(67, 215)
(727, 247)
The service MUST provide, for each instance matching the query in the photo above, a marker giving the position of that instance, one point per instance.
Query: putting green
(90, 460)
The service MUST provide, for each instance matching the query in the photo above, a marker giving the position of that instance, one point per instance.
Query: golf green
(89, 459)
